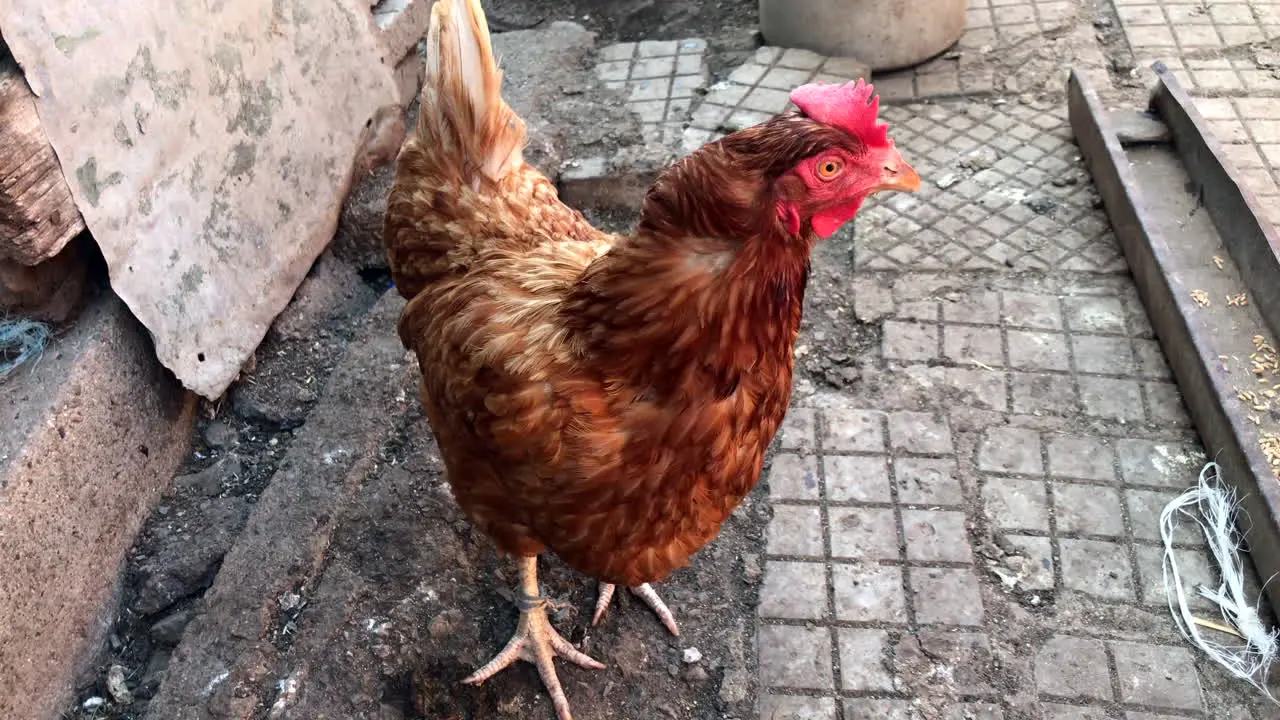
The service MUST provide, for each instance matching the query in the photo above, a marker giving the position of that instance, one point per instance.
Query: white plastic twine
(1216, 505)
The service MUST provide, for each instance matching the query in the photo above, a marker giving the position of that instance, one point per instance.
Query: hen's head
(832, 155)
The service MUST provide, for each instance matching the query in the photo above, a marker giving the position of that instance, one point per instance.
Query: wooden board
(37, 213)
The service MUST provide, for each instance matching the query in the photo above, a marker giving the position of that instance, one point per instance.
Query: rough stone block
(291, 521)
(247, 125)
(38, 217)
(90, 437)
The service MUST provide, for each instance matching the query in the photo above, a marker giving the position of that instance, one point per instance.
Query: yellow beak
(897, 174)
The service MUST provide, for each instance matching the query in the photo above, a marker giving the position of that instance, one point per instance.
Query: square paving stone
(927, 481)
(873, 708)
(794, 590)
(866, 593)
(799, 429)
(1074, 668)
(1087, 509)
(1095, 314)
(1087, 458)
(1044, 394)
(973, 345)
(862, 478)
(919, 433)
(794, 477)
(1194, 569)
(1145, 507)
(864, 659)
(1011, 450)
(795, 530)
(795, 657)
(1159, 464)
(1103, 355)
(797, 707)
(853, 431)
(866, 534)
(1157, 675)
(967, 654)
(1039, 553)
(1032, 311)
(936, 536)
(1113, 398)
(1165, 406)
(978, 387)
(1016, 504)
(1033, 350)
(946, 596)
(1097, 568)
(1055, 711)
(910, 341)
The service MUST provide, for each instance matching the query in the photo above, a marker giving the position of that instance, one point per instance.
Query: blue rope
(21, 341)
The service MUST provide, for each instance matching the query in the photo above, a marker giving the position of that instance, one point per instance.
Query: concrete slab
(90, 436)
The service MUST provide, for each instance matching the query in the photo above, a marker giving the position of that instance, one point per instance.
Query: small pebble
(692, 655)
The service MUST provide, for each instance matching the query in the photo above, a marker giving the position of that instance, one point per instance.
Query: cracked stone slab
(209, 155)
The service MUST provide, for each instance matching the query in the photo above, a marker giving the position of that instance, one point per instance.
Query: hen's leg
(646, 593)
(535, 641)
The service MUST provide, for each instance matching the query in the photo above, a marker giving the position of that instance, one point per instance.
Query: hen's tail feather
(463, 116)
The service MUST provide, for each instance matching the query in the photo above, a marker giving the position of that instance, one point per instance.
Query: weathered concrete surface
(88, 438)
(209, 156)
(220, 668)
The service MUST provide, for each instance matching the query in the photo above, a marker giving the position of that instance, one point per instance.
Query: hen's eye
(828, 169)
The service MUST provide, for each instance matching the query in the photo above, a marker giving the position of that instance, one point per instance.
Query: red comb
(852, 106)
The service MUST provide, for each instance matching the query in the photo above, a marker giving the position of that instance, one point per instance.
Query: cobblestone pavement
(966, 494)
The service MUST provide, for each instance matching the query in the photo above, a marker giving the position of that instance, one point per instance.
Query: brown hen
(609, 398)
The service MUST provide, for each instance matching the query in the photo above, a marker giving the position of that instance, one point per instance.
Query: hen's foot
(537, 642)
(646, 593)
